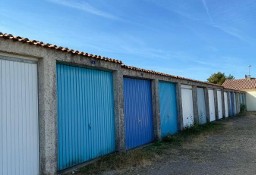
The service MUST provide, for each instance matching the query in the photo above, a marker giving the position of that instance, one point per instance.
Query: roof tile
(51, 46)
(65, 49)
(240, 84)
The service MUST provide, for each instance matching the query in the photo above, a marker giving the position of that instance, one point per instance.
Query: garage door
(234, 103)
(168, 108)
(201, 106)
(19, 141)
(231, 108)
(211, 105)
(226, 104)
(138, 112)
(219, 98)
(86, 123)
(187, 106)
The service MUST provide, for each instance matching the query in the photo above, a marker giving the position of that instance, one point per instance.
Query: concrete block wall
(47, 60)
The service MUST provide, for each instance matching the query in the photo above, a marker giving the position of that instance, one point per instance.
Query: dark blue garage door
(138, 112)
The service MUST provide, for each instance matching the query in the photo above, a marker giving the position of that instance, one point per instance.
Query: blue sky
(190, 38)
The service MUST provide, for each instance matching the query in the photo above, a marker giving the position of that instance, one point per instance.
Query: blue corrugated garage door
(168, 108)
(138, 112)
(86, 125)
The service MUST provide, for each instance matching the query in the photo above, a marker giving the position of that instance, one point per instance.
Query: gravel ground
(230, 151)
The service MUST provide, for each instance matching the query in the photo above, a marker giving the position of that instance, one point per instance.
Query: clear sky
(190, 38)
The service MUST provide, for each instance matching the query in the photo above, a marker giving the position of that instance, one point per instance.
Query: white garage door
(226, 104)
(219, 99)
(19, 143)
(187, 106)
(211, 105)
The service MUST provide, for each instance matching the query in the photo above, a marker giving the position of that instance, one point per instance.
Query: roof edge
(167, 75)
(55, 47)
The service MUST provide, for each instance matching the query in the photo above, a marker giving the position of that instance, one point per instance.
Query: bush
(243, 108)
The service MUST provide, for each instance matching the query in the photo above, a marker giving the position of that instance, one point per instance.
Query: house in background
(248, 85)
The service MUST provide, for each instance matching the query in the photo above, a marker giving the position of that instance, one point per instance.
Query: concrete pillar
(119, 110)
(156, 109)
(47, 115)
(179, 106)
(206, 95)
(216, 104)
(195, 104)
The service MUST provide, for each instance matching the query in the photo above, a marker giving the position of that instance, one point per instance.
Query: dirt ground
(229, 151)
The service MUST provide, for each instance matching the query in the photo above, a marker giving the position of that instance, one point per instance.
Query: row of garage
(86, 119)
(88, 123)
(228, 104)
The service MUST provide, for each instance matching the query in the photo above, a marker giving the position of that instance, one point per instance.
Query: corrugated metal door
(234, 103)
(201, 106)
(187, 106)
(226, 104)
(238, 102)
(219, 99)
(19, 134)
(211, 105)
(231, 108)
(86, 124)
(168, 108)
(138, 112)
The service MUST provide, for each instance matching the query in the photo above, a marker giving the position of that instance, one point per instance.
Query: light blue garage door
(86, 125)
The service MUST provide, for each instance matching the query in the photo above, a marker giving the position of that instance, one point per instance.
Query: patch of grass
(243, 108)
(191, 132)
(144, 156)
(138, 157)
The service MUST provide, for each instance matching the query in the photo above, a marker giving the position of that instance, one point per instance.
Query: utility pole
(250, 70)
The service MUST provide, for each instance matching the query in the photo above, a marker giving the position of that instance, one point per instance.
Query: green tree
(230, 77)
(219, 78)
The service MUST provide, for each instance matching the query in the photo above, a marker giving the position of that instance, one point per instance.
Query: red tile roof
(51, 46)
(64, 49)
(166, 75)
(241, 84)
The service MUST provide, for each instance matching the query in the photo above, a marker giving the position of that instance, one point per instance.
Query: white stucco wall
(251, 100)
